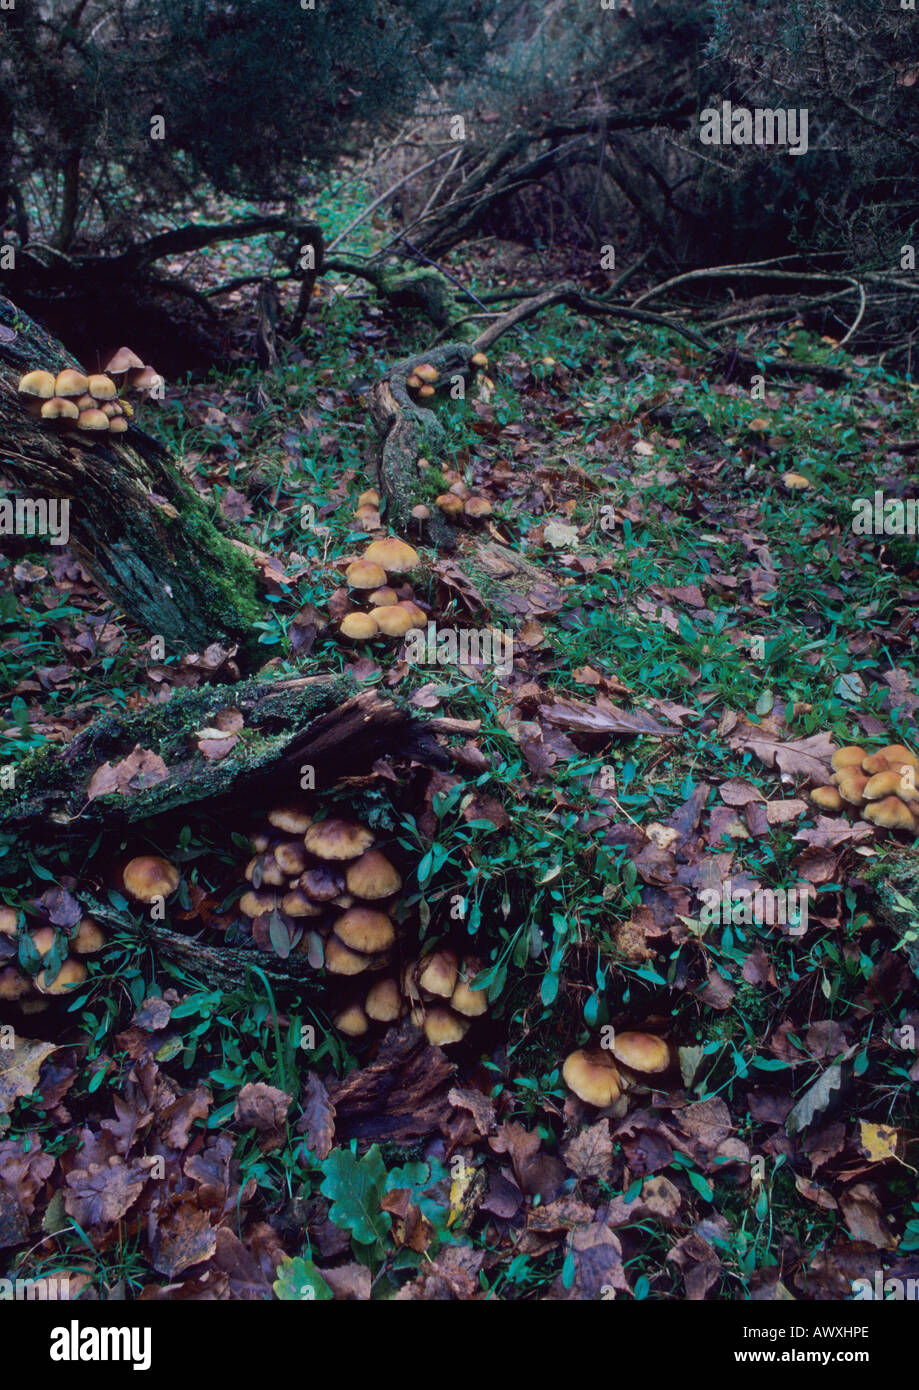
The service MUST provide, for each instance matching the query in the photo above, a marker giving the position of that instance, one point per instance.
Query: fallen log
(149, 541)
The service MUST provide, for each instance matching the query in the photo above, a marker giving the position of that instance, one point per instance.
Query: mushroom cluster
(88, 402)
(459, 505)
(880, 787)
(336, 892)
(387, 611)
(601, 1077)
(86, 939)
(421, 379)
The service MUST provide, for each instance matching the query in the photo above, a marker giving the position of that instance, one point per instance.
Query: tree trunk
(143, 533)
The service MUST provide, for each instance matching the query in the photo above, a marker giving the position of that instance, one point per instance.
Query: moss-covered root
(410, 432)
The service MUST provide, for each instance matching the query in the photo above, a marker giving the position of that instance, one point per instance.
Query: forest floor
(698, 635)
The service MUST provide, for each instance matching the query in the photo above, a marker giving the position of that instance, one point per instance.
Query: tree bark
(143, 533)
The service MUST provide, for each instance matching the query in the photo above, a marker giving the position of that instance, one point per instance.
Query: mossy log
(325, 722)
(143, 533)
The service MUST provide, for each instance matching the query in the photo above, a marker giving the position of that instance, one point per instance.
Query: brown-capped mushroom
(642, 1052)
(40, 385)
(393, 620)
(101, 387)
(450, 504)
(359, 627)
(364, 574)
(124, 360)
(383, 1003)
(89, 937)
(827, 798)
(352, 1021)
(59, 408)
(148, 877)
(365, 929)
(891, 814)
(92, 420)
(438, 972)
(338, 839)
(257, 902)
(71, 975)
(593, 1077)
(850, 756)
(293, 820)
(70, 383)
(392, 555)
(372, 876)
(465, 1000)
(442, 1027)
(341, 960)
(296, 904)
(477, 508)
(290, 857)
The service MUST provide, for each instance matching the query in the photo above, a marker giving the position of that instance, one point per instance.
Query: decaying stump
(144, 534)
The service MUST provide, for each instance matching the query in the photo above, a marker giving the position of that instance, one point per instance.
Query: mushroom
(383, 1003)
(92, 420)
(101, 387)
(827, 798)
(256, 902)
(426, 372)
(59, 408)
(9, 921)
(465, 1000)
(477, 508)
(420, 512)
(89, 937)
(337, 839)
(43, 939)
(372, 876)
(852, 786)
(70, 383)
(891, 814)
(393, 620)
(364, 574)
(293, 820)
(443, 1027)
(365, 929)
(642, 1052)
(13, 983)
(478, 359)
(593, 1077)
(890, 783)
(383, 597)
(71, 974)
(265, 868)
(146, 379)
(340, 960)
(370, 498)
(393, 555)
(850, 756)
(118, 426)
(322, 883)
(290, 857)
(874, 763)
(124, 360)
(297, 904)
(148, 877)
(39, 384)
(438, 972)
(896, 753)
(359, 627)
(450, 504)
(352, 1021)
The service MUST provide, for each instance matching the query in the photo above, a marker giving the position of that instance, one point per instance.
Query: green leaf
(300, 1281)
(703, 1188)
(355, 1186)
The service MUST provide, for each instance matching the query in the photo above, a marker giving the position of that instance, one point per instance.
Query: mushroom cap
(268, 871)
(419, 615)
(426, 372)
(897, 753)
(641, 1052)
(850, 756)
(352, 1021)
(477, 507)
(384, 1002)
(148, 877)
(257, 902)
(71, 974)
(43, 938)
(478, 359)
(370, 498)
(450, 504)
(420, 512)
(322, 882)
(92, 420)
(340, 960)
(290, 857)
(145, 379)
(124, 360)
(293, 820)
(459, 489)
(443, 1027)
(337, 839)
(59, 408)
(101, 387)
(39, 384)
(393, 619)
(368, 516)
(372, 876)
(392, 555)
(438, 972)
(89, 937)
(9, 921)
(70, 383)
(364, 574)
(891, 814)
(796, 482)
(827, 798)
(383, 597)
(359, 627)
(852, 786)
(365, 929)
(465, 1000)
(891, 783)
(13, 983)
(874, 763)
(297, 904)
(593, 1077)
